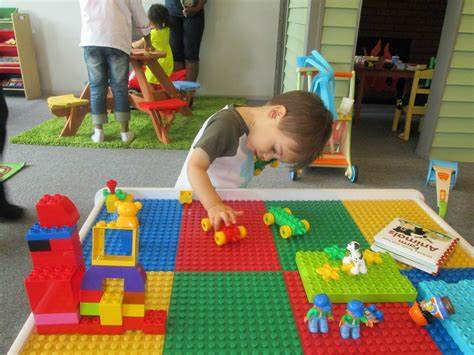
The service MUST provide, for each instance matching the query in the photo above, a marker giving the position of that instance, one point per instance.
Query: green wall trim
(453, 140)
(455, 124)
(453, 154)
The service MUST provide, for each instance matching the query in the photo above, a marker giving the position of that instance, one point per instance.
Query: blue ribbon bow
(323, 83)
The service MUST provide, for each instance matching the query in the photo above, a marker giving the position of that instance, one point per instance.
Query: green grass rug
(181, 134)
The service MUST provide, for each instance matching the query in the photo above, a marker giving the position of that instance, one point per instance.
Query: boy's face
(267, 141)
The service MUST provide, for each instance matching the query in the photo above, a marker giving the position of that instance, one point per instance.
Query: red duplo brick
(59, 258)
(397, 334)
(155, 322)
(134, 298)
(128, 297)
(72, 243)
(91, 296)
(132, 323)
(56, 211)
(87, 325)
(197, 250)
(54, 289)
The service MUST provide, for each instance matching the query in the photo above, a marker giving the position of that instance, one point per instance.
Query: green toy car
(289, 224)
(259, 165)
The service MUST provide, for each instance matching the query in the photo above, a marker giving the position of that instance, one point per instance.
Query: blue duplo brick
(36, 232)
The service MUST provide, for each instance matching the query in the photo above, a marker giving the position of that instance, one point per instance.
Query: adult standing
(187, 26)
(7, 210)
(106, 38)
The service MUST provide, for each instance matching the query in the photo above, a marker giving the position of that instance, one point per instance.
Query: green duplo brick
(382, 283)
(89, 309)
(330, 222)
(226, 313)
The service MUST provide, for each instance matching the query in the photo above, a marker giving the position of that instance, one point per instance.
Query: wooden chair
(411, 109)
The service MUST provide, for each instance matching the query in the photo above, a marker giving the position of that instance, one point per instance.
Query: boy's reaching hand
(222, 213)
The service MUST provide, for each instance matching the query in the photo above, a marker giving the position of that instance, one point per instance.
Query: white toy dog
(358, 263)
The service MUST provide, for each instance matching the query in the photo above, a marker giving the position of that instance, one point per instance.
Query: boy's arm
(197, 174)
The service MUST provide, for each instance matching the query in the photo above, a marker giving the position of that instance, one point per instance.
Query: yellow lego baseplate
(65, 101)
(131, 342)
(158, 290)
(373, 215)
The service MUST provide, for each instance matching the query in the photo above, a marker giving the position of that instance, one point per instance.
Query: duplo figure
(349, 325)
(317, 316)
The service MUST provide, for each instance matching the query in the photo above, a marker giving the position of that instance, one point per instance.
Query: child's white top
(224, 138)
(108, 23)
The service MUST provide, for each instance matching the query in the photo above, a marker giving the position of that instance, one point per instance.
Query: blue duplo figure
(317, 316)
(349, 325)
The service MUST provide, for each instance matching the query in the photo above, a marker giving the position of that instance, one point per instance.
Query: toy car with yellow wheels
(289, 224)
(226, 234)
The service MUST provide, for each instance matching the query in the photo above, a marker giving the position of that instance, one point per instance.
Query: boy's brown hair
(307, 122)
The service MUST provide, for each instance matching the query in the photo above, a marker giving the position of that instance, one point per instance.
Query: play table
(247, 297)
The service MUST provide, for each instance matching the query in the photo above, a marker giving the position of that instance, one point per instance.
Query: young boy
(292, 127)
(106, 37)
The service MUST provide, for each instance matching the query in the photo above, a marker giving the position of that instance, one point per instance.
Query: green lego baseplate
(224, 313)
(382, 283)
(330, 223)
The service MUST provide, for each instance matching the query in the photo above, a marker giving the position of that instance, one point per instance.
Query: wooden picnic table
(139, 58)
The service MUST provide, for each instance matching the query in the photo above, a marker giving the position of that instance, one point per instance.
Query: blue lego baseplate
(160, 224)
(460, 325)
(441, 337)
(447, 275)
(36, 232)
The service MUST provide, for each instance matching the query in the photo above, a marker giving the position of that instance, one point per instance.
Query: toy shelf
(18, 68)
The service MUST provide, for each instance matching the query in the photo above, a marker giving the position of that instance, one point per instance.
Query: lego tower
(53, 286)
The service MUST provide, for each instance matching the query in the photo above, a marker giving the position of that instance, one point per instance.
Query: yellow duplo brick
(185, 197)
(133, 310)
(113, 285)
(158, 290)
(371, 216)
(110, 308)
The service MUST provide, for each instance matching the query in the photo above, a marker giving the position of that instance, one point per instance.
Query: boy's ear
(277, 112)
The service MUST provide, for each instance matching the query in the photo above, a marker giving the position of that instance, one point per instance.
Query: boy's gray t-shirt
(224, 138)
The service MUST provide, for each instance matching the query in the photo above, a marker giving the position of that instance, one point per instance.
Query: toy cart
(337, 152)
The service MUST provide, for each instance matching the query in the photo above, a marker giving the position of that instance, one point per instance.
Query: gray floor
(384, 162)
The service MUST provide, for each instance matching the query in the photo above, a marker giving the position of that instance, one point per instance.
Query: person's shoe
(127, 137)
(11, 212)
(98, 136)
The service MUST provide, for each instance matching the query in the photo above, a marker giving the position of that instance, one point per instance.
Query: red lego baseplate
(154, 322)
(197, 250)
(397, 334)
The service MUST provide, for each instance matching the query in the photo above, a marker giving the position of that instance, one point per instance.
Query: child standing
(292, 127)
(106, 38)
(160, 41)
